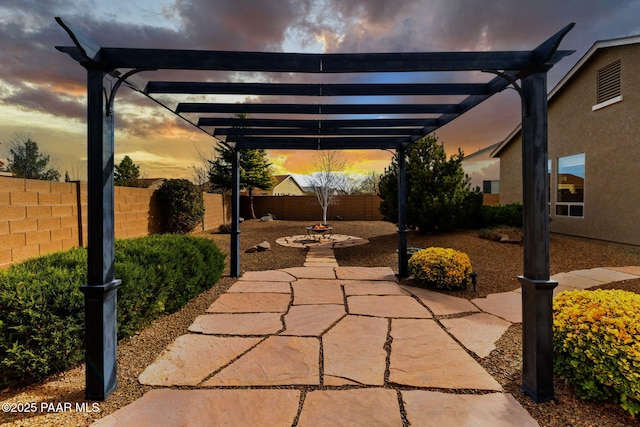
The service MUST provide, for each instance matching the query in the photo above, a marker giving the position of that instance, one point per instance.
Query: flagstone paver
(311, 272)
(423, 355)
(430, 408)
(272, 287)
(317, 291)
(606, 275)
(238, 324)
(387, 306)
(345, 359)
(266, 276)
(275, 361)
(442, 304)
(311, 320)
(357, 407)
(372, 287)
(575, 281)
(250, 303)
(365, 273)
(229, 407)
(322, 345)
(191, 358)
(633, 270)
(477, 332)
(507, 305)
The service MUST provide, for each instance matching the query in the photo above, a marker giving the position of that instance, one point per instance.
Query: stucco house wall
(609, 137)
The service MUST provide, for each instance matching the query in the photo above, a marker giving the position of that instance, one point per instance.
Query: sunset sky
(42, 91)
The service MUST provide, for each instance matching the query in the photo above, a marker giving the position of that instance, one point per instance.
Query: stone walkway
(324, 345)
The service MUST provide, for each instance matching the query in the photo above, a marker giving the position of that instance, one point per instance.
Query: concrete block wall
(36, 217)
(40, 217)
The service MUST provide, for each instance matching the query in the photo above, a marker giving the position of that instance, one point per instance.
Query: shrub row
(596, 343)
(42, 308)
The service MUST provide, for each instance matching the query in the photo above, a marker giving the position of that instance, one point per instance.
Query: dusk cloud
(36, 78)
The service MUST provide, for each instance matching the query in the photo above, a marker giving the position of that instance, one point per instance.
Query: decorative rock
(251, 250)
(275, 361)
(264, 246)
(266, 218)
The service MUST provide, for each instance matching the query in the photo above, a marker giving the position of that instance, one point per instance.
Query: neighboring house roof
(481, 152)
(151, 182)
(600, 44)
(282, 178)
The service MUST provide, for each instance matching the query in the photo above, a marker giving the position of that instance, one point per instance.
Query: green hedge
(510, 215)
(42, 308)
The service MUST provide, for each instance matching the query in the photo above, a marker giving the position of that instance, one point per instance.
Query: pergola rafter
(284, 129)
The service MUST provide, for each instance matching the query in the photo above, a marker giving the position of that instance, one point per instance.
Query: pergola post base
(537, 338)
(101, 341)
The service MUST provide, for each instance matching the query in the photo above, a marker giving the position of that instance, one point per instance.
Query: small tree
(438, 190)
(255, 171)
(27, 162)
(127, 173)
(328, 177)
(182, 205)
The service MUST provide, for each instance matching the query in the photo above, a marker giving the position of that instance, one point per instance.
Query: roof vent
(609, 82)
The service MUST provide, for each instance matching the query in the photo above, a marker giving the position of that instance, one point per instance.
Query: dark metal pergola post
(101, 289)
(537, 289)
(235, 215)
(403, 258)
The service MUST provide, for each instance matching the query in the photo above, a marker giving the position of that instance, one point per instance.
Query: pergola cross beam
(353, 132)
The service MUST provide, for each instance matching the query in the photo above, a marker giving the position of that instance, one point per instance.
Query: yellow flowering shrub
(596, 344)
(443, 268)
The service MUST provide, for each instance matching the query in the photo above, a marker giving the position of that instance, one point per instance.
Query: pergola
(328, 123)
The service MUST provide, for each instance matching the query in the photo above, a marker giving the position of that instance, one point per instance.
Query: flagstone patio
(331, 345)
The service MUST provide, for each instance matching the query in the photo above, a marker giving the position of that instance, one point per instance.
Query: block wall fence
(39, 217)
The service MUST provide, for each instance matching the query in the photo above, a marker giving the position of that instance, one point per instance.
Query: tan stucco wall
(287, 188)
(610, 139)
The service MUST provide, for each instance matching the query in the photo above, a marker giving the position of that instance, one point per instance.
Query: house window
(491, 187)
(608, 85)
(570, 185)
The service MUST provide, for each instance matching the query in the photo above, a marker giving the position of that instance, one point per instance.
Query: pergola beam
(316, 109)
(179, 59)
(528, 66)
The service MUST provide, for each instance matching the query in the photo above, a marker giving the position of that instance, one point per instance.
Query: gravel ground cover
(497, 266)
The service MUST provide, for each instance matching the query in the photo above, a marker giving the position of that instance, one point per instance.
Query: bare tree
(200, 169)
(327, 178)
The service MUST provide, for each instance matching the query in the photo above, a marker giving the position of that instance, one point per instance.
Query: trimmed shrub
(596, 343)
(42, 308)
(441, 267)
(182, 205)
(509, 215)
